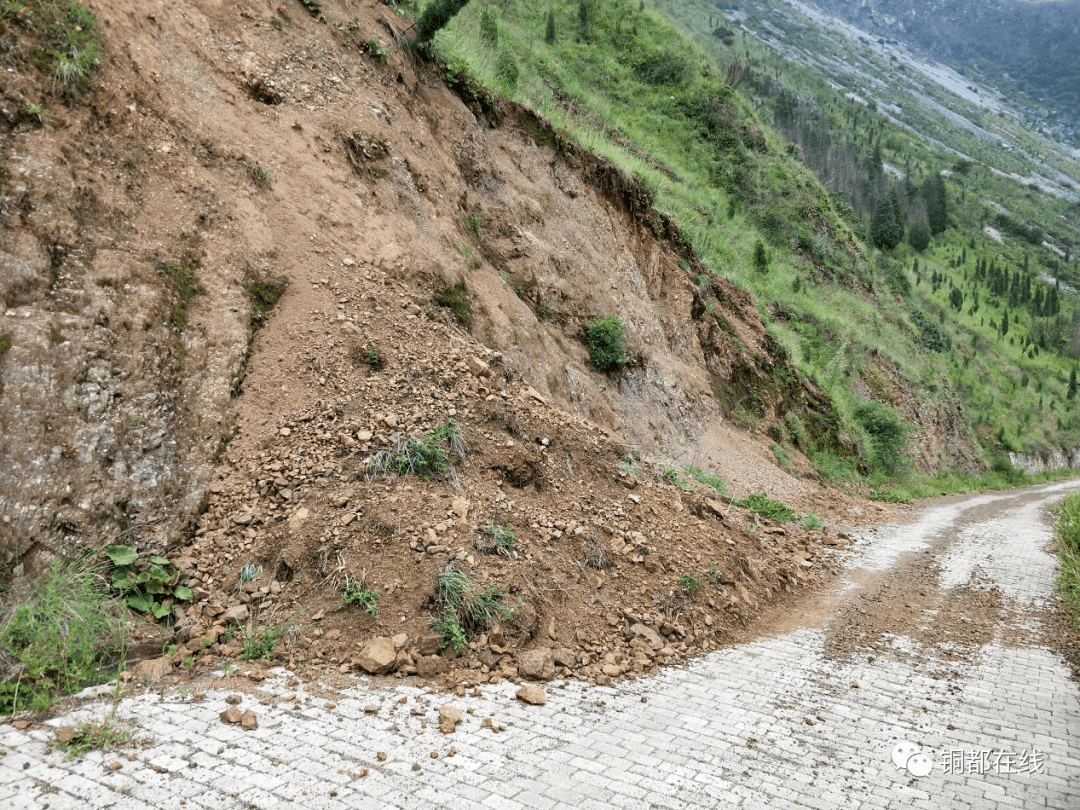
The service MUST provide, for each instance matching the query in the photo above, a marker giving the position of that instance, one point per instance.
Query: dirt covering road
(928, 677)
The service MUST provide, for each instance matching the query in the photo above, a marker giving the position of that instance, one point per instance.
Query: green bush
(607, 343)
(56, 638)
(355, 593)
(465, 611)
(887, 433)
(435, 17)
(456, 299)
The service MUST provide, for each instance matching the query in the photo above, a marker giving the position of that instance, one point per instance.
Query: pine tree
(761, 257)
(1071, 394)
(936, 204)
(549, 35)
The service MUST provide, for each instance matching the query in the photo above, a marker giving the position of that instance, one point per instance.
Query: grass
(768, 508)
(456, 299)
(5, 344)
(58, 635)
(259, 175)
(186, 287)
(356, 593)
(1067, 532)
(689, 584)
(63, 41)
(706, 478)
(106, 734)
(464, 610)
(259, 642)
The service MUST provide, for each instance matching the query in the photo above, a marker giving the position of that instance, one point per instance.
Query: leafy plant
(64, 38)
(706, 478)
(149, 585)
(355, 593)
(887, 433)
(689, 583)
(57, 635)
(375, 47)
(675, 477)
(607, 343)
(249, 572)
(446, 624)
(812, 521)
(768, 508)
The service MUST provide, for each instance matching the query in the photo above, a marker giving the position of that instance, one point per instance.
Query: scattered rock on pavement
(532, 694)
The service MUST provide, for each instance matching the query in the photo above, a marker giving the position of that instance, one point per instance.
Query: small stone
(247, 720)
(65, 734)
(238, 614)
(285, 431)
(233, 700)
(381, 756)
(115, 766)
(231, 715)
(371, 708)
(416, 766)
(243, 518)
(537, 665)
(449, 717)
(377, 656)
(460, 507)
(434, 754)
(532, 694)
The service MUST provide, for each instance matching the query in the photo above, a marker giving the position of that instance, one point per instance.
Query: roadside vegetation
(1067, 535)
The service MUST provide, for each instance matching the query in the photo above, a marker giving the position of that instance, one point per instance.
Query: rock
(115, 766)
(612, 670)
(231, 715)
(430, 644)
(371, 708)
(247, 721)
(460, 506)
(565, 658)
(648, 635)
(65, 734)
(238, 614)
(488, 658)
(243, 519)
(401, 640)
(298, 518)
(532, 694)
(536, 665)
(152, 669)
(715, 507)
(430, 665)
(377, 656)
(449, 717)
(497, 636)
(478, 367)
(233, 700)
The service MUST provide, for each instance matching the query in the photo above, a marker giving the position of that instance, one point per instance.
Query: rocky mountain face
(1033, 45)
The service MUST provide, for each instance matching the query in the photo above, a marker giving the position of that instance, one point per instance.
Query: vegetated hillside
(1031, 46)
(861, 322)
(292, 313)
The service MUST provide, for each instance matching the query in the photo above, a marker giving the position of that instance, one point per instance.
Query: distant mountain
(1033, 45)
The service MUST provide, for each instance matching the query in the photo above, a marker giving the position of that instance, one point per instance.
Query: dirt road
(926, 678)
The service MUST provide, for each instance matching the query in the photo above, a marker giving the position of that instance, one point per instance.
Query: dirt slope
(290, 153)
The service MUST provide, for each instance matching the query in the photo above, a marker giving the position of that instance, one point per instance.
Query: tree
(937, 211)
(886, 223)
(919, 237)
(549, 36)
(761, 257)
(1071, 394)
(435, 18)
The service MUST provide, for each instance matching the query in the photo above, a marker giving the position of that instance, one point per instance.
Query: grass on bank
(1067, 532)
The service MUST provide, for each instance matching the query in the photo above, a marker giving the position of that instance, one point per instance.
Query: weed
(464, 611)
(313, 9)
(596, 556)
(456, 299)
(259, 643)
(5, 344)
(107, 734)
(149, 585)
(812, 521)
(675, 477)
(375, 47)
(355, 593)
(768, 508)
(249, 572)
(689, 583)
(607, 343)
(373, 357)
(37, 114)
(628, 467)
(719, 578)
(55, 636)
(783, 456)
(474, 225)
(497, 540)
(259, 175)
(264, 297)
(185, 285)
(424, 457)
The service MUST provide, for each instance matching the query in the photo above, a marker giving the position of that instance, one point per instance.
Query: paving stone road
(769, 724)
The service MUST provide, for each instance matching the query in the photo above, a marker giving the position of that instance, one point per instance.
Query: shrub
(887, 433)
(607, 343)
(149, 585)
(689, 583)
(1067, 577)
(706, 478)
(497, 540)
(465, 611)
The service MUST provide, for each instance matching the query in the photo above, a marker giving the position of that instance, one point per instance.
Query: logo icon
(907, 755)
